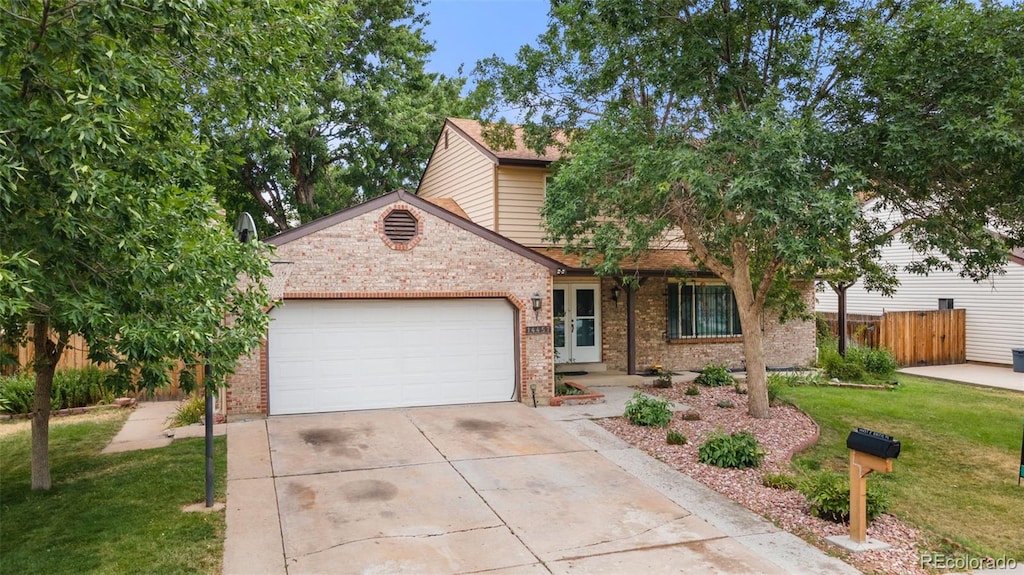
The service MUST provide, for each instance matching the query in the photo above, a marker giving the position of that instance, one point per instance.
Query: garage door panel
(366, 354)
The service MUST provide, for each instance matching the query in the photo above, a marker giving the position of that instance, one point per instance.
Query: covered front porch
(660, 311)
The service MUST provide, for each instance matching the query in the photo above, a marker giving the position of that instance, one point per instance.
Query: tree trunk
(47, 354)
(753, 355)
(753, 345)
(303, 185)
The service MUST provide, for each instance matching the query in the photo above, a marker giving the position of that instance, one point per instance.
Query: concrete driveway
(465, 489)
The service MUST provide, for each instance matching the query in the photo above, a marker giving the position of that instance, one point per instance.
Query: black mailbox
(873, 443)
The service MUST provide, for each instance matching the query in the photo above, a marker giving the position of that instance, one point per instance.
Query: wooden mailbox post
(869, 451)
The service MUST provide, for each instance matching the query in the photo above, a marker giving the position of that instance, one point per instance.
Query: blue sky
(464, 31)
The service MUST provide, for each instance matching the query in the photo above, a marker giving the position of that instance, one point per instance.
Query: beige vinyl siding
(671, 239)
(520, 198)
(461, 172)
(995, 312)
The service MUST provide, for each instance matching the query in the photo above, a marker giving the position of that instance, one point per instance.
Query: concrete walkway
(972, 373)
(146, 428)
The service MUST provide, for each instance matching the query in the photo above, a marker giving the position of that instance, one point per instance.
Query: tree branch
(685, 217)
(765, 285)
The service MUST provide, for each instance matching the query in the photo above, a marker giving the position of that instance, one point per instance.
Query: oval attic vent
(400, 226)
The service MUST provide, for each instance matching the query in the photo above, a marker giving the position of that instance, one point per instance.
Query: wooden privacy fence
(860, 329)
(76, 356)
(932, 337)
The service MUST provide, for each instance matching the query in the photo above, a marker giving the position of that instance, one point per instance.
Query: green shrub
(838, 367)
(87, 386)
(822, 331)
(190, 410)
(715, 375)
(664, 379)
(648, 411)
(795, 379)
(738, 450)
(71, 388)
(828, 494)
(861, 364)
(675, 438)
(879, 362)
(773, 387)
(782, 481)
(17, 393)
(692, 389)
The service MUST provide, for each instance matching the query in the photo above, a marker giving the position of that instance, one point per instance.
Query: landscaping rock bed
(785, 433)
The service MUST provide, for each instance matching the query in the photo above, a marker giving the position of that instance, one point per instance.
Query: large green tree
(748, 128)
(931, 106)
(108, 228)
(697, 117)
(319, 105)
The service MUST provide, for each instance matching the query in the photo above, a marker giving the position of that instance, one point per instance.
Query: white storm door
(577, 328)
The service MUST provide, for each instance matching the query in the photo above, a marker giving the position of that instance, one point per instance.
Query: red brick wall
(353, 260)
(786, 345)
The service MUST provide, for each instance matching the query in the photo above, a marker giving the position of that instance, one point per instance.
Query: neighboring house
(671, 321)
(994, 307)
(450, 296)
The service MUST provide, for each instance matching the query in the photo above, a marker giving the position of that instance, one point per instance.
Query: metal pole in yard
(209, 434)
(1021, 474)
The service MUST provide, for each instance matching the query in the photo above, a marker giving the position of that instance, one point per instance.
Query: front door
(577, 326)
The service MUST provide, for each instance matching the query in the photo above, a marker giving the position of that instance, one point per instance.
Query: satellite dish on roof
(245, 228)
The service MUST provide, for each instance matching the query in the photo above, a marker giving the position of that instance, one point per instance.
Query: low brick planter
(586, 398)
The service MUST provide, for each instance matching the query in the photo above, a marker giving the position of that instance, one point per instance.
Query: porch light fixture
(535, 301)
(615, 295)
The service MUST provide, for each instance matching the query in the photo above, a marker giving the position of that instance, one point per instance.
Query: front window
(697, 310)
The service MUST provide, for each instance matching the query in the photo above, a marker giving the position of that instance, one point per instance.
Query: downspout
(630, 330)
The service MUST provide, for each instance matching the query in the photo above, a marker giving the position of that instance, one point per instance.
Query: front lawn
(957, 474)
(118, 513)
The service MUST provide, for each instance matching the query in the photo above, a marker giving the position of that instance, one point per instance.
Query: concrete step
(605, 379)
(587, 367)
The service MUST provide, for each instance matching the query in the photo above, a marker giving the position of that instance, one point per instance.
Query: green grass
(117, 513)
(956, 476)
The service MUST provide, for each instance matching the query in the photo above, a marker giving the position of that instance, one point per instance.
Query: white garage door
(368, 354)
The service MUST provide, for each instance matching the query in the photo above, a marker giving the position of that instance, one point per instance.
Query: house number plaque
(537, 329)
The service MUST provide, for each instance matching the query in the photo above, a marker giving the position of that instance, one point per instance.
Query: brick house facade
(786, 345)
(347, 256)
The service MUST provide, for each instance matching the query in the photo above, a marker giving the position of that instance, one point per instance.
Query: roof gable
(522, 154)
(420, 204)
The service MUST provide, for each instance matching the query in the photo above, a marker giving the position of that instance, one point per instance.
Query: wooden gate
(934, 337)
